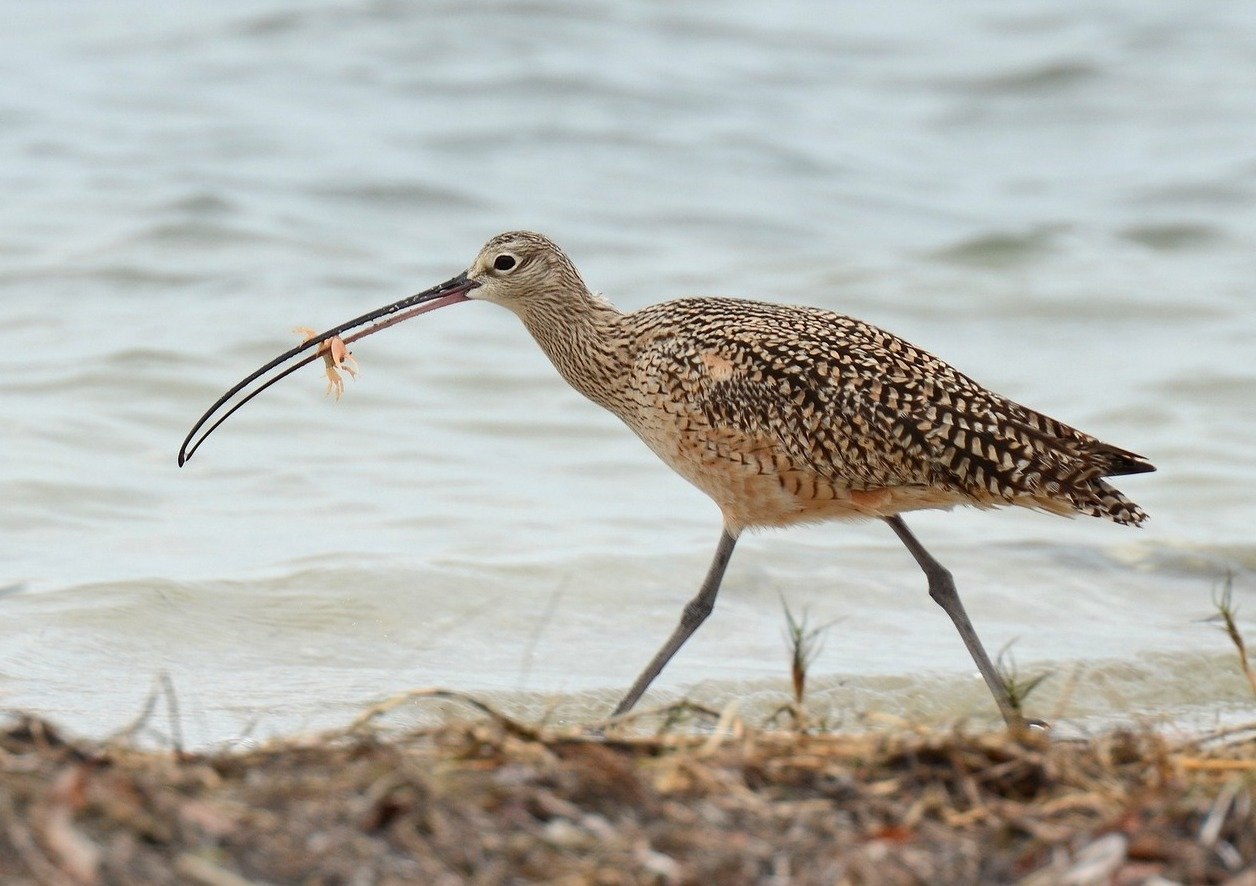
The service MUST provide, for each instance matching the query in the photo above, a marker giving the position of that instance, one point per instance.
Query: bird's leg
(942, 590)
(695, 612)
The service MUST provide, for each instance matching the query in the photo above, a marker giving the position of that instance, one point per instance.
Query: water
(1058, 198)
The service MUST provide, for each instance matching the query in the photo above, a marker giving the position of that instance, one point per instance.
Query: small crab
(335, 356)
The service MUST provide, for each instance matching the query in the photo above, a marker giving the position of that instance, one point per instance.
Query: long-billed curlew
(781, 414)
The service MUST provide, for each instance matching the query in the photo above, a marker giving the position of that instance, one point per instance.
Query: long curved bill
(447, 293)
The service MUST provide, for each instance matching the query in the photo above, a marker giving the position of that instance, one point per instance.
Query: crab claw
(341, 357)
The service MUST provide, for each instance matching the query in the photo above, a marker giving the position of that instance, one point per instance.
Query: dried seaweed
(494, 800)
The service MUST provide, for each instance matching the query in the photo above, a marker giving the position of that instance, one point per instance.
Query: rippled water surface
(1059, 198)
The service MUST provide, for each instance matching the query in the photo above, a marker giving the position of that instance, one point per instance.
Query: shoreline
(486, 798)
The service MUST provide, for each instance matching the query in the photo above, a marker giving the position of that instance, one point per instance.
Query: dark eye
(504, 262)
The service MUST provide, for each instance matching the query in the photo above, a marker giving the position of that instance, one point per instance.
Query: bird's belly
(755, 483)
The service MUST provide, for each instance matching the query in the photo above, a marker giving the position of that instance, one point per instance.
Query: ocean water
(1058, 198)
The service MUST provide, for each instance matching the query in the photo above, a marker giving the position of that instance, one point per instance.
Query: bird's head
(518, 270)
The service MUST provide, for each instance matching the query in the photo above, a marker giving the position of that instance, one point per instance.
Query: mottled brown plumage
(781, 414)
(784, 414)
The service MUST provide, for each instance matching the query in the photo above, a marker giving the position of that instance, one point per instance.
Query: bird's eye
(504, 262)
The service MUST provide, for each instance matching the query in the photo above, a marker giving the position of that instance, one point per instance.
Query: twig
(128, 732)
(162, 685)
(1210, 830)
(725, 728)
(671, 713)
(172, 711)
(1245, 729)
(201, 870)
(390, 704)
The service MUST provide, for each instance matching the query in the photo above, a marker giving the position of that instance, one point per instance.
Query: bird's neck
(584, 337)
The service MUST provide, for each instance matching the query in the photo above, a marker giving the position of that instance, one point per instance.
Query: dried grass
(495, 800)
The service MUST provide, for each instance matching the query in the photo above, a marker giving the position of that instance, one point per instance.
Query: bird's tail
(1079, 462)
(1098, 498)
(1115, 462)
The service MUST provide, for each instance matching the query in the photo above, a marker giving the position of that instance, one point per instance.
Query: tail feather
(1084, 460)
(1100, 499)
(1120, 462)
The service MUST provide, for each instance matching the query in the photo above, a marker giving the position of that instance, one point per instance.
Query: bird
(781, 414)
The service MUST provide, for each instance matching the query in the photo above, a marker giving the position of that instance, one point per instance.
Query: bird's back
(775, 409)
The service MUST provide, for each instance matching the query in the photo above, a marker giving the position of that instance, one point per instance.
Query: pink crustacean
(335, 356)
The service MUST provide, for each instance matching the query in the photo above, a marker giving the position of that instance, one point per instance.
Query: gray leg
(694, 614)
(942, 590)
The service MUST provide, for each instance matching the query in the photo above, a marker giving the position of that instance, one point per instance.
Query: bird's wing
(862, 407)
(781, 377)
